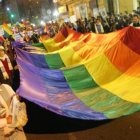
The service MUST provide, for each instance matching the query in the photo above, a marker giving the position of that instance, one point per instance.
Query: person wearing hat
(5, 68)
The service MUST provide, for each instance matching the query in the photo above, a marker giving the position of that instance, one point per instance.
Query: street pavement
(45, 125)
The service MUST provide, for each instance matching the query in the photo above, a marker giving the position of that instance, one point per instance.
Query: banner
(103, 12)
(73, 19)
(95, 12)
(1, 31)
(19, 37)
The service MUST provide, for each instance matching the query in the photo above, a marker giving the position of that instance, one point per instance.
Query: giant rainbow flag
(85, 76)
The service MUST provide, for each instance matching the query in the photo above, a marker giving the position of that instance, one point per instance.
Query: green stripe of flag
(54, 61)
(98, 99)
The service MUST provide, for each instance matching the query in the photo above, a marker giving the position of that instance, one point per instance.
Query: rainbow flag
(26, 37)
(7, 30)
(38, 45)
(85, 76)
(46, 29)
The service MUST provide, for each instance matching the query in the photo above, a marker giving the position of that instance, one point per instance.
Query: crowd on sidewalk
(109, 24)
(98, 25)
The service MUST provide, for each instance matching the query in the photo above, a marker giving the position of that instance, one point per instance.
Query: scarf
(5, 74)
(96, 30)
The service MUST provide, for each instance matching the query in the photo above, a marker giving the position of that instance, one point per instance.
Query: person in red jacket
(5, 68)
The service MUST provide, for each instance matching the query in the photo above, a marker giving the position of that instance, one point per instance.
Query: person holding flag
(35, 38)
(27, 39)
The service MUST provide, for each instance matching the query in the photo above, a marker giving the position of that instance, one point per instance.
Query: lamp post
(11, 14)
(8, 9)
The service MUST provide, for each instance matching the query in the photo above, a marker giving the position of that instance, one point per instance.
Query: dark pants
(8, 81)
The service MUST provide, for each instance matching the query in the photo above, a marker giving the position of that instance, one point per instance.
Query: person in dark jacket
(136, 22)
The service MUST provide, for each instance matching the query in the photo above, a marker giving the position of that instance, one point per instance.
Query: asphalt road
(45, 125)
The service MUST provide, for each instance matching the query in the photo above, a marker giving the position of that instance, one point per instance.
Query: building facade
(21, 9)
(89, 8)
(80, 8)
(4, 14)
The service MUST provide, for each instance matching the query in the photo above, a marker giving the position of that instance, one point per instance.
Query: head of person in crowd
(126, 13)
(121, 15)
(130, 16)
(99, 18)
(93, 19)
(135, 19)
(98, 21)
(34, 33)
(112, 16)
(125, 18)
(138, 9)
(134, 12)
(11, 38)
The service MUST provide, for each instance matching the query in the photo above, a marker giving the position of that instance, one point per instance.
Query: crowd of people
(110, 24)
(10, 125)
(97, 25)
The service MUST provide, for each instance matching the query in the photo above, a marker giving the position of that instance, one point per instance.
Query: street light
(33, 25)
(56, 13)
(49, 12)
(12, 15)
(42, 22)
(8, 9)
